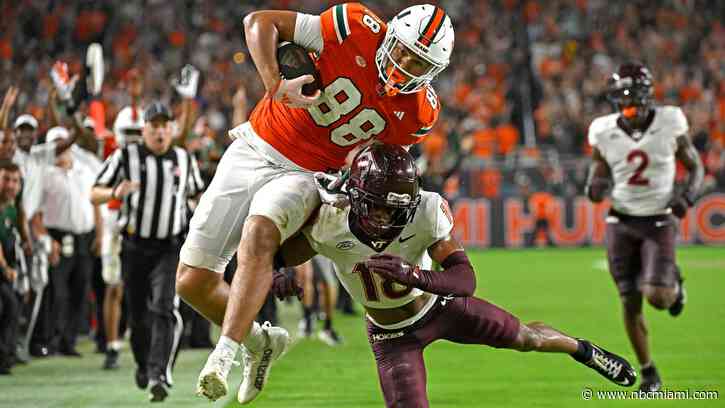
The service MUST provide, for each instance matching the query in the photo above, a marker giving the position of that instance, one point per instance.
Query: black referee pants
(149, 276)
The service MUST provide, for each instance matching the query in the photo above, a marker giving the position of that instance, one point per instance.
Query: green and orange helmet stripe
(434, 25)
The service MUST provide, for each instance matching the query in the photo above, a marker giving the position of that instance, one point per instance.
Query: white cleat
(258, 365)
(212, 382)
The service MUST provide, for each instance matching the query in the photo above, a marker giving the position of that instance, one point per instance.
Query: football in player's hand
(295, 61)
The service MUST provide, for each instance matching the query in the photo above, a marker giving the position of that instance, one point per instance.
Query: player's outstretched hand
(289, 92)
(285, 285)
(394, 268)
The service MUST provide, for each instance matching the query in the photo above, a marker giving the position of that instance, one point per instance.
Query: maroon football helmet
(631, 91)
(384, 193)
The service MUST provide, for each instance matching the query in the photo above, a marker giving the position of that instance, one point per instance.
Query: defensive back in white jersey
(330, 236)
(643, 165)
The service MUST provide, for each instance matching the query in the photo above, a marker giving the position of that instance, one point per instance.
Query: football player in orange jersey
(375, 85)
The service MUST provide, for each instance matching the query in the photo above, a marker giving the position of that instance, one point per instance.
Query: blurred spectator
(71, 219)
(9, 302)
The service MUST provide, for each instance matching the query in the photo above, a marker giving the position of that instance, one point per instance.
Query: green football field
(569, 289)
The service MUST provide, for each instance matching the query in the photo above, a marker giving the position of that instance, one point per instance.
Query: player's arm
(86, 138)
(599, 180)
(8, 101)
(263, 31)
(688, 156)
(457, 277)
(295, 251)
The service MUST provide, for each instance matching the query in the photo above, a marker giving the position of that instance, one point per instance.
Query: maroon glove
(598, 189)
(395, 268)
(457, 278)
(679, 206)
(285, 285)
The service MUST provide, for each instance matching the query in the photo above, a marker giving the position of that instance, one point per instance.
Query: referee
(154, 181)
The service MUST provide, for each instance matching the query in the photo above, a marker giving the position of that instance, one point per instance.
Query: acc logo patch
(345, 245)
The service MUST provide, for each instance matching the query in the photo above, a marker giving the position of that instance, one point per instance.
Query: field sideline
(567, 288)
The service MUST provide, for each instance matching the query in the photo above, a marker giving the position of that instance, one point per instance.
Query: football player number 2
(641, 159)
(370, 285)
(338, 99)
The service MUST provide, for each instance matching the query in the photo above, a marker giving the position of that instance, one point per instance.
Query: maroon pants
(641, 250)
(399, 353)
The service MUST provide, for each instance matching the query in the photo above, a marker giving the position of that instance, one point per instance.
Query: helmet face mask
(424, 31)
(384, 193)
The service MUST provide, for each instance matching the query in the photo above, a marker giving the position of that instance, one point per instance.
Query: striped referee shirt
(158, 209)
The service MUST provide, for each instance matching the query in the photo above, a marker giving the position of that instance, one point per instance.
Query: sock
(647, 365)
(583, 352)
(227, 345)
(328, 324)
(115, 345)
(307, 312)
(256, 339)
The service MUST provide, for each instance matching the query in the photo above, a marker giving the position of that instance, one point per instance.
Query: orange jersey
(352, 108)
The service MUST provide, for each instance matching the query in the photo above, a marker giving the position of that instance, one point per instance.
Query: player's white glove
(289, 92)
(62, 82)
(188, 82)
(331, 187)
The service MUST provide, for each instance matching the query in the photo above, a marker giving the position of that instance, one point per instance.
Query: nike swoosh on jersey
(401, 239)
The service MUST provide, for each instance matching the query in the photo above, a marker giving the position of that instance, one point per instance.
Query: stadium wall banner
(482, 223)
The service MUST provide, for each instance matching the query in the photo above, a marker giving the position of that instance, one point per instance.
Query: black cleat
(158, 391)
(676, 308)
(650, 379)
(111, 362)
(611, 366)
(142, 379)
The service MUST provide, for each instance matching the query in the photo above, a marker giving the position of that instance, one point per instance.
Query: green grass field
(569, 289)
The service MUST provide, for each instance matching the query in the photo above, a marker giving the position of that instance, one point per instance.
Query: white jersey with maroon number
(330, 236)
(643, 165)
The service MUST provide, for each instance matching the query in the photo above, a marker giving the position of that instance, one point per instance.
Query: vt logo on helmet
(384, 194)
(417, 47)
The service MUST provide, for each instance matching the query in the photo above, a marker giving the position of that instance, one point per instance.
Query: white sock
(227, 345)
(255, 339)
(115, 345)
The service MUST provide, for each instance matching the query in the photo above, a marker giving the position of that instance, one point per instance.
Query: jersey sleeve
(429, 105)
(112, 171)
(593, 133)
(437, 216)
(348, 23)
(678, 121)
(308, 32)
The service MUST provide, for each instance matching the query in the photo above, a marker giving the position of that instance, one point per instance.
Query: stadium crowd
(525, 81)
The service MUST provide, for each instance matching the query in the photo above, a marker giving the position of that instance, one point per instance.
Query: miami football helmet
(424, 30)
(128, 125)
